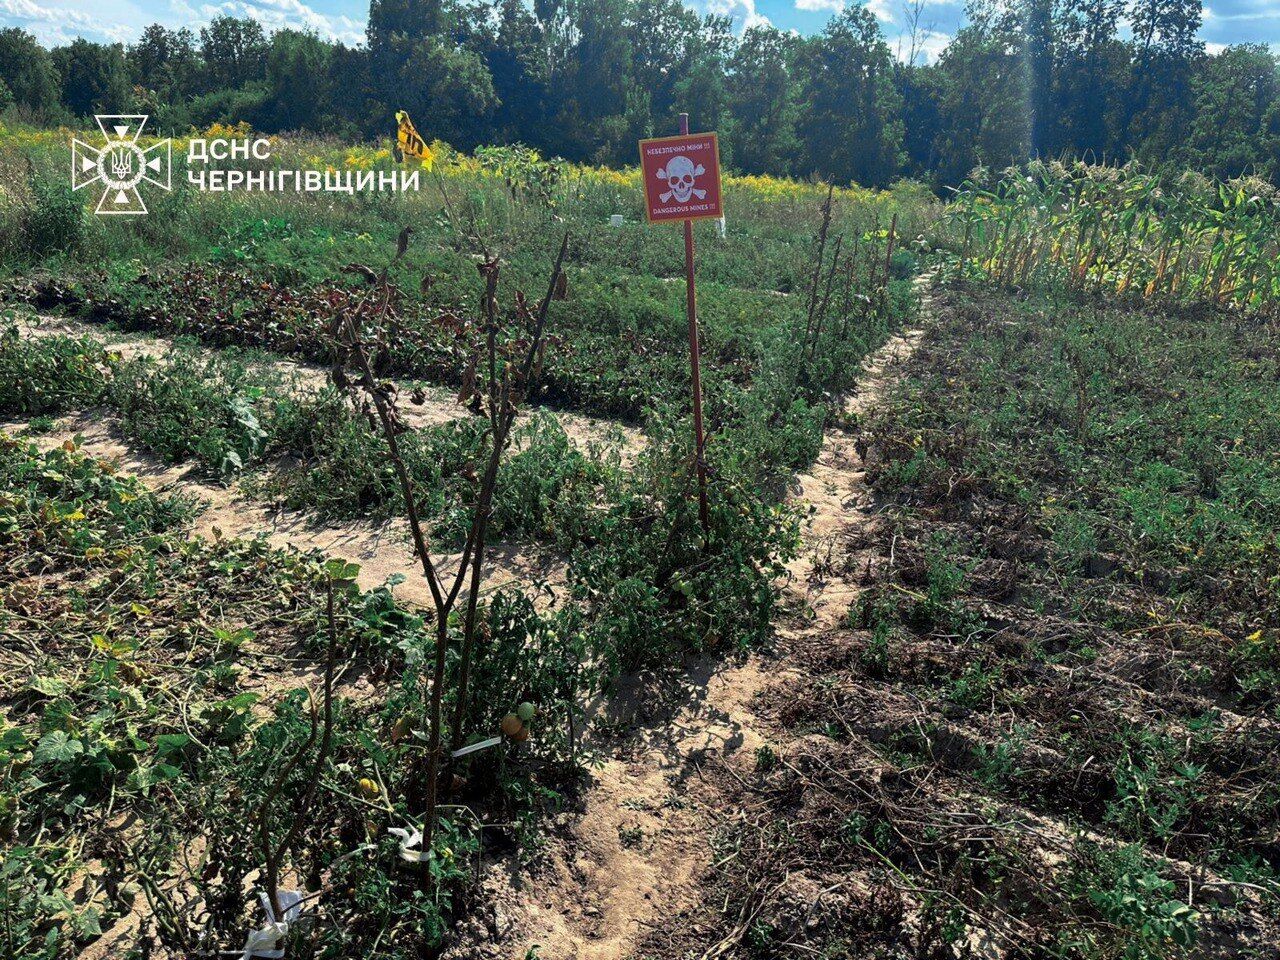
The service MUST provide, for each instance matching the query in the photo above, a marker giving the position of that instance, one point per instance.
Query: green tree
(94, 77)
(921, 93)
(762, 101)
(419, 62)
(510, 40)
(1037, 44)
(1237, 124)
(234, 52)
(449, 89)
(28, 71)
(1160, 106)
(166, 63)
(347, 112)
(584, 79)
(298, 66)
(851, 126)
(700, 88)
(1091, 69)
(662, 36)
(983, 83)
(393, 24)
(598, 105)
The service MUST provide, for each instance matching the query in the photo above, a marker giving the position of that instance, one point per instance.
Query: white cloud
(123, 20)
(27, 10)
(743, 12)
(1264, 11)
(54, 25)
(882, 10)
(24, 10)
(929, 46)
(277, 14)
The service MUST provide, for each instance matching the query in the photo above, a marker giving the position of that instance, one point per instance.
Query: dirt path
(633, 859)
(631, 863)
(381, 549)
(438, 405)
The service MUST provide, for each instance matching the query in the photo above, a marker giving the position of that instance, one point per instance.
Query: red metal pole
(691, 306)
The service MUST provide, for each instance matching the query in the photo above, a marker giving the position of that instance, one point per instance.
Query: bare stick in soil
(819, 260)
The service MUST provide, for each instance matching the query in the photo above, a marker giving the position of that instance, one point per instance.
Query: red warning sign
(681, 177)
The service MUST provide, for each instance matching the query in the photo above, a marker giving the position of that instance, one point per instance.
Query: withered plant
(826, 302)
(502, 365)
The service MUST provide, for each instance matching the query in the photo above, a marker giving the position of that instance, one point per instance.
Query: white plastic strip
(410, 845)
(265, 942)
(475, 747)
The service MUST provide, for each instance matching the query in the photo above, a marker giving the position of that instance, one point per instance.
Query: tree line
(584, 79)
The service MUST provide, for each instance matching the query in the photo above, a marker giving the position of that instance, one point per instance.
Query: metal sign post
(682, 182)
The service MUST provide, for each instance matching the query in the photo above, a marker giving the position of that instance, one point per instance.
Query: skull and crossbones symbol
(680, 175)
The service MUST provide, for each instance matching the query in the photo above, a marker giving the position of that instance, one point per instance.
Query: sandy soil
(631, 862)
(382, 550)
(438, 406)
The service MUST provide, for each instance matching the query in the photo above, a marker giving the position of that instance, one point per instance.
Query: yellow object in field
(411, 142)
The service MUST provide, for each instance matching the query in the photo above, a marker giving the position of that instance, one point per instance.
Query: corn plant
(1124, 230)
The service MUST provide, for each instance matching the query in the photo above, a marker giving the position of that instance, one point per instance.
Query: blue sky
(58, 21)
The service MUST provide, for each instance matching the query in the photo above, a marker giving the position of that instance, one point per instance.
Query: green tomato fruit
(525, 711)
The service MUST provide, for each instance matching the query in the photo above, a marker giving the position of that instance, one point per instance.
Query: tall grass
(766, 246)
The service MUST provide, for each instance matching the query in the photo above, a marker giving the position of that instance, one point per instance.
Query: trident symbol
(121, 164)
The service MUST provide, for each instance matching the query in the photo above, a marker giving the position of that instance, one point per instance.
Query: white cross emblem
(121, 164)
